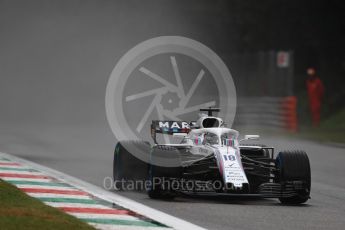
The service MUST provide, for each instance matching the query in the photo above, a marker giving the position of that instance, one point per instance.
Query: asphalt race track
(86, 152)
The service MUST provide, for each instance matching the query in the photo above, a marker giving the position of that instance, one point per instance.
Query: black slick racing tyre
(294, 166)
(127, 167)
(161, 178)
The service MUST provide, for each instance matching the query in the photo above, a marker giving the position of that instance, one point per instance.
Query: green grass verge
(20, 211)
(328, 136)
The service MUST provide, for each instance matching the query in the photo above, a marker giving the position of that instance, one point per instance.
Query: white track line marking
(124, 227)
(21, 172)
(139, 208)
(26, 179)
(12, 166)
(15, 169)
(52, 195)
(74, 205)
(104, 216)
(46, 187)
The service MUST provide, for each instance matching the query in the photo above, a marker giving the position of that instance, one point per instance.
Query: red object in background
(289, 106)
(315, 90)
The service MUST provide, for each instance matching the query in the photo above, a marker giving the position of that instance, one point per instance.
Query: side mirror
(250, 137)
(180, 134)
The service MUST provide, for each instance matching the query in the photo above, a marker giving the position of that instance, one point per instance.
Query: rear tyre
(294, 166)
(127, 167)
(161, 178)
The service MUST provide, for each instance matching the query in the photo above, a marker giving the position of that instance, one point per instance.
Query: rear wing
(168, 127)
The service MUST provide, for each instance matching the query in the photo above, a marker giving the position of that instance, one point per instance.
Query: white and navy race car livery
(212, 160)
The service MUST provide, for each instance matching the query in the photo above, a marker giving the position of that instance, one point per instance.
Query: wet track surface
(86, 153)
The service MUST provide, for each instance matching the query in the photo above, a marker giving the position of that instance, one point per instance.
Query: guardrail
(268, 112)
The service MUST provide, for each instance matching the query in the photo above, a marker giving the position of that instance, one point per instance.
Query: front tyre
(294, 168)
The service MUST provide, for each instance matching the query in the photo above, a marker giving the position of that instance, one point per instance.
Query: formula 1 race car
(208, 159)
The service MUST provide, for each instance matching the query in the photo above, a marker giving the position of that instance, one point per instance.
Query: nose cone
(227, 149)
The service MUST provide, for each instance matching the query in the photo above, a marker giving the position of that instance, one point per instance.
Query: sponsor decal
(174, 124)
